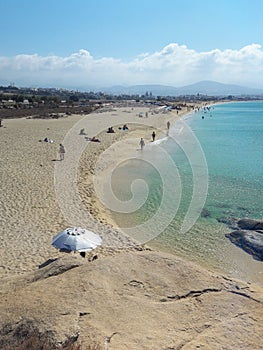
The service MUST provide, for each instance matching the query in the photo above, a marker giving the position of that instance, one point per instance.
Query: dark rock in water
(250, 241)
(231, 222)
(205, 213)
(223, 205)
(250, 224)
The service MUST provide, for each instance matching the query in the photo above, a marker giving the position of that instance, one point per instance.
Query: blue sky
(85, 43)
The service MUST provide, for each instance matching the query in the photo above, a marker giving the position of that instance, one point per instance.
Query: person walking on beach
(142, 143)
(153, 136)
(61, 152)
(168, 127)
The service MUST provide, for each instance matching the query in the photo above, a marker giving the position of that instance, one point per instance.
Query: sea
(204, 176)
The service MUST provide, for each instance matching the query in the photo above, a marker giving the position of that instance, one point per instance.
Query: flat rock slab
(131, 300)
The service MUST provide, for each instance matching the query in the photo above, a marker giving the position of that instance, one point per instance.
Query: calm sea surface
(231, 139)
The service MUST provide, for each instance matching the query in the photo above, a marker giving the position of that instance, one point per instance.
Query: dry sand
(30, 208)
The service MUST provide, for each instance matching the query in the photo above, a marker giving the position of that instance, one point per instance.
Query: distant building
(8, 103)
(25, 104)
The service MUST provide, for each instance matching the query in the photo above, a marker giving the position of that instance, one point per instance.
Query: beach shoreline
(131, 151)
(31, 210)
(30, 214)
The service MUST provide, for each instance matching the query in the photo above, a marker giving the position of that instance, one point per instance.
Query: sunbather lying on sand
(93, 139)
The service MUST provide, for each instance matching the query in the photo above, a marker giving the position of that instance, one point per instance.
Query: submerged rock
(250, 241)
(229, 221)
(205, 213)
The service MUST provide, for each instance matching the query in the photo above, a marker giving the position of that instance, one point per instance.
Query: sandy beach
(30, 212)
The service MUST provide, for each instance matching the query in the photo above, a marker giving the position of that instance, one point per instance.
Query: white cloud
(173, 65)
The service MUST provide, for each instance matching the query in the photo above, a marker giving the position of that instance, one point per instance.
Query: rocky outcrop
(250, 241)
(130, 300)
(249, 237)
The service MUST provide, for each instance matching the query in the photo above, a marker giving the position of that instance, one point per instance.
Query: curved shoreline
(104, 215)
(90, 156)
(29, 208)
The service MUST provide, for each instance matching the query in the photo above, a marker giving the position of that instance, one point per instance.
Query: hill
(207, 87)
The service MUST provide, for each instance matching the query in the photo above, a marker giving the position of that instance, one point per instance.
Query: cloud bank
(174, 65)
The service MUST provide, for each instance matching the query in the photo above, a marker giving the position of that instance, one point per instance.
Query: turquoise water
(231, 138)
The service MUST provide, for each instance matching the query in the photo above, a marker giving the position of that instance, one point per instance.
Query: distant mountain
(214, 88)
(156, 90)
(210, 88)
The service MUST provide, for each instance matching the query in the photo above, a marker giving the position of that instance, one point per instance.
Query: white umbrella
(76, 239)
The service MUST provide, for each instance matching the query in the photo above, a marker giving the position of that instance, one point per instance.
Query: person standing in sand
(142, 143)
(153, 136)
(61, 152)
(168, 127)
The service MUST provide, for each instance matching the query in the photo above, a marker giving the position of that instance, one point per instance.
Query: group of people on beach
(110, 130)
(142, 142)
(62, 150)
